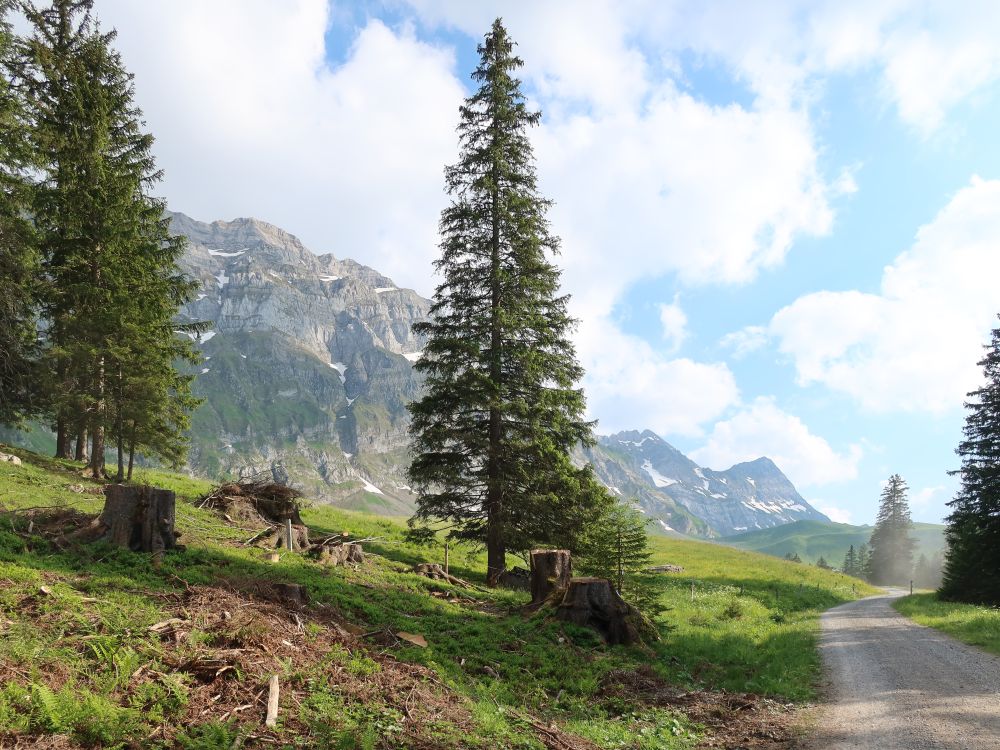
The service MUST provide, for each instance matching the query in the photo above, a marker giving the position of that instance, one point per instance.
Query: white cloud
(915, 345)
(251, 119)
(674, 323)
(630, 385)
(763, 429)
(745, 341)
(833, 512)
(922, 498)
(929, 56)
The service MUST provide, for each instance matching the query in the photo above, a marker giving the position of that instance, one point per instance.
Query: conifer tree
(864, 562)
(18, 259)
(850, 566)
(891, 558)
(113, 282)
(822, 563)
(617, 548)
(501, 410)
(972, 563)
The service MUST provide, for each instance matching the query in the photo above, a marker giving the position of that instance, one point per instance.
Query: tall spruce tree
(113, 282)
(891, 544)
(864, 562)
(972, 563)
(501, 411)
(18, 259)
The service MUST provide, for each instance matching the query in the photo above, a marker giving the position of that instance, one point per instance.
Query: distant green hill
(815, 539)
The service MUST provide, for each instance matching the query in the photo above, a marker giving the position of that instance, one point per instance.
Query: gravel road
(896, 685)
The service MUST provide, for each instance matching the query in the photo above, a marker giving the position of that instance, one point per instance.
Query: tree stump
(290, 594)
(277, 538)
(139, 518)
(518, 579)
(551, 569)
(338, 554)
(594, 603)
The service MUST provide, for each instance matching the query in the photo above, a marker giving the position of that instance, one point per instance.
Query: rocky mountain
(684, 497)
(307, 370)
(307, 365)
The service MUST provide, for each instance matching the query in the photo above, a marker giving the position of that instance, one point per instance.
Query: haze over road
(895, 685)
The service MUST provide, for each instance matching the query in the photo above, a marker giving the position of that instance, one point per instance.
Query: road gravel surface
(896, 685)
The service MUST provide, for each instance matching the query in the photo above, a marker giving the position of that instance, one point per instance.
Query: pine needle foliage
(18, 257)
(617, 548)
(112, 284)
(972, 565)
(891, 557)
(851, 564)
(501, 410)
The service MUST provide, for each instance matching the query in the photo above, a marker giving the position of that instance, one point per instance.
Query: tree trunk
(81, 440)
(496, 551)
(97, 425)
(594, 603)
(551, 569)
(120, 476)
(62, 439)
(139, 518)
(131, 453)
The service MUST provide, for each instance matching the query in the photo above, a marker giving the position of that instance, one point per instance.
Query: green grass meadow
(970, 623)
(733, 620)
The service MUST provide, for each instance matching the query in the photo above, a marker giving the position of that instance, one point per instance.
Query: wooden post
(272, 702)
(446, 557)
(551, 569)
(289, 543)
(911, 588)
(692, 590)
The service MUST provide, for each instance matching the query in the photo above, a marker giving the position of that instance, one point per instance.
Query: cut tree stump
(290, 594)
(551, 569)
(594, 603)
(139, 518)
(518, 579)
(276, 538)
(339, 554)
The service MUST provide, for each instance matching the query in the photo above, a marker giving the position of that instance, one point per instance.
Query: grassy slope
(750, 626)
(970, 623)
(813, 539)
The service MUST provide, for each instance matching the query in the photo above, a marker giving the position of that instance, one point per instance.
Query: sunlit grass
(976, 625)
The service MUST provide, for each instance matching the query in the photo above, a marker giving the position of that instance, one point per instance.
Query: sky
(780, 220)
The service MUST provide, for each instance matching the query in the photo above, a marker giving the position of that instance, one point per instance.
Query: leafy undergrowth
(80, 666)
(977, 625)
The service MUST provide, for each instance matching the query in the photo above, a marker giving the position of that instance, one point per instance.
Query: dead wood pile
(254, 501)
(436, 572)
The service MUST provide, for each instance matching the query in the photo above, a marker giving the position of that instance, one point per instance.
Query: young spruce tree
(891, 557)
(501, 411)
(617, 548)
(972, 564)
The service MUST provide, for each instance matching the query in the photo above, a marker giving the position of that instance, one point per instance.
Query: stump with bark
(139, 518)
(594, 603)
(518, 579)
(551, 569)
(277, 538)
(340, 554)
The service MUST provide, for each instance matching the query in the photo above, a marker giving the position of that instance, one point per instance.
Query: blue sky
(780, 220)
